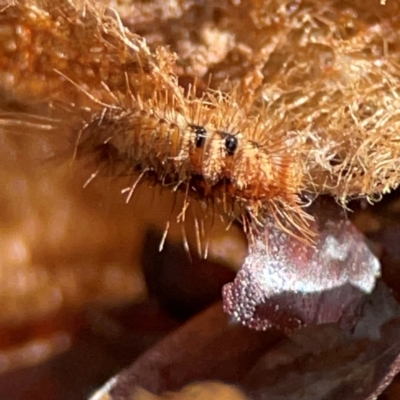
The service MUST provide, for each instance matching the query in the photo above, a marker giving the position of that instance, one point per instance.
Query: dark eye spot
(231, 144)
(201, 135)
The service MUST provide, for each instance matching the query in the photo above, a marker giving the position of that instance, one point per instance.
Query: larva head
(218, 154)
(262, 174)
(253, 172)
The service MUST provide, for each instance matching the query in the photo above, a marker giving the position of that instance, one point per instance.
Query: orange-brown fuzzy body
(209, 156)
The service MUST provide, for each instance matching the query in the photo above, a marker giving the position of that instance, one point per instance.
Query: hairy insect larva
(208, 146)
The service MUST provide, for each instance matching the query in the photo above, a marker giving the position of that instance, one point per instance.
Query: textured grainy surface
(286, 284)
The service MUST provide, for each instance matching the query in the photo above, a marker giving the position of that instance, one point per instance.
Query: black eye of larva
(201, 135)
(231, 144)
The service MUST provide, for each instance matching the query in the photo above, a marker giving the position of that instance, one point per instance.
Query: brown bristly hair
(314, 112)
